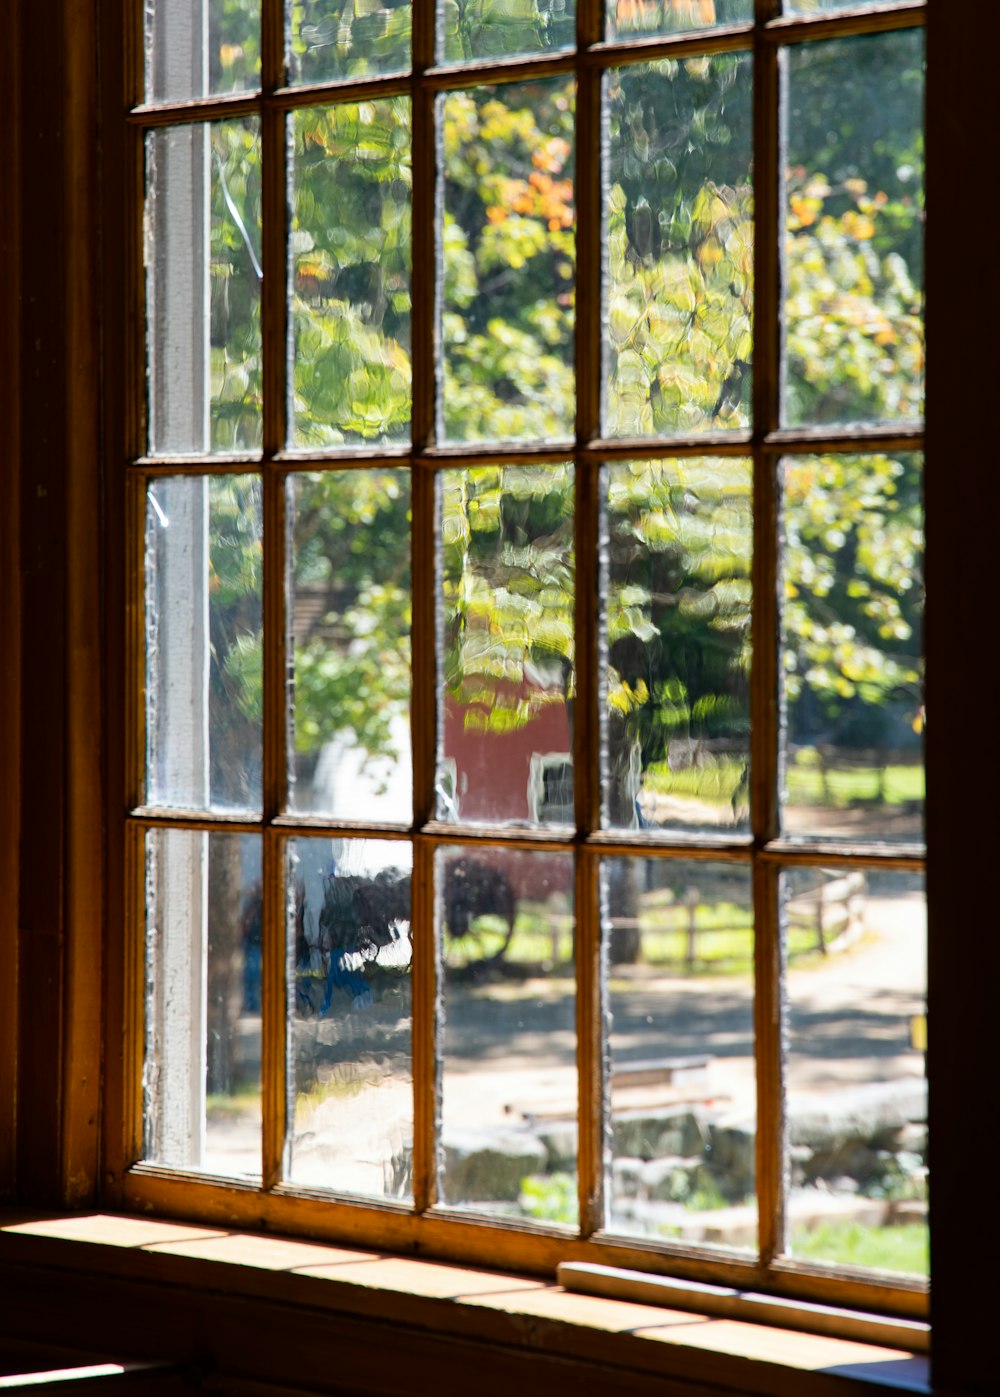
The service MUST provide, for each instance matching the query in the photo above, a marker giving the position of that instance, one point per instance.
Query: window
(517, 388)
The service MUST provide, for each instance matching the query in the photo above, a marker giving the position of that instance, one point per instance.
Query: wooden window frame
(55, 1152)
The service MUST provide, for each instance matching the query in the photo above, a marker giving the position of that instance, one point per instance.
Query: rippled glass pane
(350, 1113)
(505, 637)
(851, 635)
(508, 1137)
(504, 28)
(651, 17)
(678, 953)
(331, 39)
(508, 254)
(854, 341)
(199, 48)
(349, 614)
(679, 205)
(204, 663)
(203, 275)
(349, 318)
(201, 1076)
(676, 556)
(856, 1091)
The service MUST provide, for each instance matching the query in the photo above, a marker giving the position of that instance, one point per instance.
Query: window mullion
(586, 718)
(764, 689)
(274, 1034)
(424, 301)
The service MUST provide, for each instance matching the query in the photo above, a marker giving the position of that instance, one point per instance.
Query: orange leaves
(539, 196)
(675, 14)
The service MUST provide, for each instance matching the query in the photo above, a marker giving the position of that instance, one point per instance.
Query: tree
(678, 360)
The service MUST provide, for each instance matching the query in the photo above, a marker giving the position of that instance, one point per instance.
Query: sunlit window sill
(521, 1314)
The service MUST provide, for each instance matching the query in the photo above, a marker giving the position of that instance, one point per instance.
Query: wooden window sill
(521, 1314)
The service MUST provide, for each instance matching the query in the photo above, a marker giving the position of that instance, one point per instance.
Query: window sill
(177, 1272)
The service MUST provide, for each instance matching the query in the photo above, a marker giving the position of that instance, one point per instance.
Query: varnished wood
(425, 1226)
(10, 579)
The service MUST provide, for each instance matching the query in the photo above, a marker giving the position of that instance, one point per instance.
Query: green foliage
(550, 1198)
(677, 359)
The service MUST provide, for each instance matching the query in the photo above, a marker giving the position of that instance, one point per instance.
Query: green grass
(239, 1104)
(715, 784)
(723, 937)
(856, 785)
(900, 1248)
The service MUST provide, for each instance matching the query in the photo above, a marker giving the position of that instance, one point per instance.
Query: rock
(481, 1166)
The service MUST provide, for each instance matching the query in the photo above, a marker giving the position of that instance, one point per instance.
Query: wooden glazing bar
(197, 465)
(167, 817)
(274, 283)
(732, 849)
(764, 711)
(134, 1017)
(133, 641)
(656, 448)
(274, 1010)
(883, 856)
(496, 454)
(799, 441)
(586, 731)
(787, 441)
(151, 116)
(424, 989)
(768, 1040)
(590, 1049)
(794, 29)
(272, 45)
(133, 54)
(424, 345)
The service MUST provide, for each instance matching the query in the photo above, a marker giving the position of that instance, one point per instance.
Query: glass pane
(351, 1109)
(676, 634)
(204, 554)
(854, 342)
(349, 628)
(651, 17)
(678, 947)
(198, 48)
(330, 39)
(504, 28)
(508, 1034)
(201, 1078)
(851, 632)
(505, 636)
(508, 255)
(679, 209)
(857, 1096)
(203, 276)
(349, 317)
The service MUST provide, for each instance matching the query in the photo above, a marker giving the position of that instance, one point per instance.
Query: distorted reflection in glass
(852, 611)
(507, 261)
(676, 559)
(678, 953)
(349, 609)
(505, 631)
(678, 338)
(349, 313)
(202, 1069)
(350, 1111)
(856, 952)
(505, 932)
